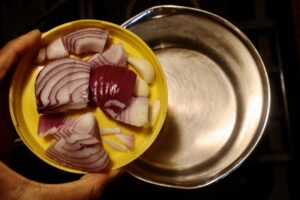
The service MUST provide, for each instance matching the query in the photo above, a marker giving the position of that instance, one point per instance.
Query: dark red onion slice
(112, 88)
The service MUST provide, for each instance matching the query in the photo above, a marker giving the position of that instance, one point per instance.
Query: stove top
(270, 172)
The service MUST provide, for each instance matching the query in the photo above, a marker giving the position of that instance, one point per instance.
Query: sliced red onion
(108, 131)
(144, 68)
(154, 111)
(114, 55)
(141, 88)
(85, 158)
(114, 145)
(112, 88)
(82, 139)
(78, 143)
(86, 40)
(84, 124)
(80, 41)
(47, 68)
(48, 124)
(56, 49)
(136, 113)
(127, 140)
(62, 85)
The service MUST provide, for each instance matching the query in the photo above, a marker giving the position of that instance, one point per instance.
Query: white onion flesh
(127, 140)
(136, 113)
(56, 49)
(109, 131)
(154, 111)
(141, 88)
(144, 68)
(114, 145)
(114, 55)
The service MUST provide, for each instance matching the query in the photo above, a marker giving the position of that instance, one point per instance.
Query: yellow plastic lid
(23, 109)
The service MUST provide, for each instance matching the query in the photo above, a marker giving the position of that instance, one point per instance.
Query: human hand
(14, 186)
(17, 187)
(20, 50)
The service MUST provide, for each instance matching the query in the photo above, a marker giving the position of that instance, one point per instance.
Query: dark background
(271, 172)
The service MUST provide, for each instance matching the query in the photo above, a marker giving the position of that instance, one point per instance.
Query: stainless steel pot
(219, 97)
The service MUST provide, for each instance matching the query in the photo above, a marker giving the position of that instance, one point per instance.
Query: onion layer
(114, 55)
(86, 40)
(56, 49)
(144, 67)
(78, 142)
(62, 85)
(136, 113)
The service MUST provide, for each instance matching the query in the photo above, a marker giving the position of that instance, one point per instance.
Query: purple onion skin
(113, 83)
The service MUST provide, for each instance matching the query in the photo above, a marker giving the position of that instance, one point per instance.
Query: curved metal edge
(150, 13)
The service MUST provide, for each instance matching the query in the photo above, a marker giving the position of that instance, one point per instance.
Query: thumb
(90, 186)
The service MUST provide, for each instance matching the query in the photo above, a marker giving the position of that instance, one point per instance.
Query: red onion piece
(127, 140)
(136, 113)
(114, 55)
(144, 68)
(109, 131)
(56, 49)
(62, 85)
(86, 40)
(114, 145)
(141, 88)
(84, 158)
(84, 124)
(78, 142)
(112, 88)
(48, 124)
